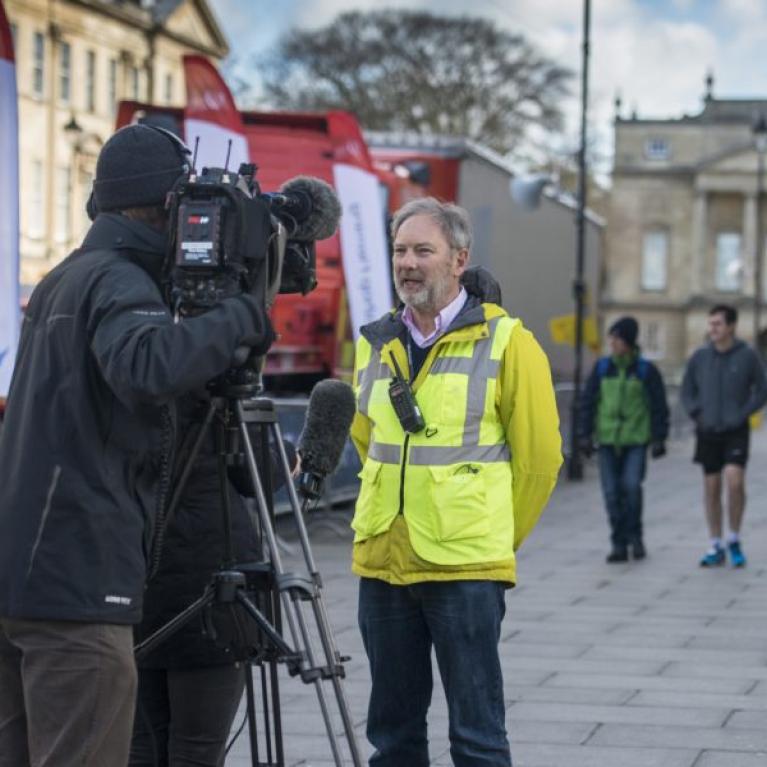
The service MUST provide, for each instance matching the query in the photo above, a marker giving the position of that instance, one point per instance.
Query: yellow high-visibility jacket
(455, 500)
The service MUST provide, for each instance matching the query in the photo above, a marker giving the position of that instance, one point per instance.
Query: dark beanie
(627, 329)
(137, 167)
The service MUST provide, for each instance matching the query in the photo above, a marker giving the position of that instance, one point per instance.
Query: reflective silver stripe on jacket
(384, 453)
(423, 455)
(376, 370)
(479, 368)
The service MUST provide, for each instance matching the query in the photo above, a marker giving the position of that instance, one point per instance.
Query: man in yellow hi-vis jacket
(457, 430)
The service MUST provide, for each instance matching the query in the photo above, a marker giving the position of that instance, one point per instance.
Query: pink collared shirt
(441, 322)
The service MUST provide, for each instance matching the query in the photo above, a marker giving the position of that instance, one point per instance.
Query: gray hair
(453, 220)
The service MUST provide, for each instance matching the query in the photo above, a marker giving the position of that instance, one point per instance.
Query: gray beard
(428, 298)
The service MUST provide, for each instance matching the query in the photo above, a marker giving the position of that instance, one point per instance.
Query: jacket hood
(112, 231)
(391, 326)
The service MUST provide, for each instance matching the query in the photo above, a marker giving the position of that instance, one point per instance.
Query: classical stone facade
(75, 60)
(683, 225)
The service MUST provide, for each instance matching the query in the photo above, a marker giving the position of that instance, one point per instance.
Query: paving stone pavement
(648, 664)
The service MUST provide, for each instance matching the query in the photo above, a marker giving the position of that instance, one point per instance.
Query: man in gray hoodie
(724, 383)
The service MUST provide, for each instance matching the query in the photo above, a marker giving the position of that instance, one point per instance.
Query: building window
(63, 203)
(729, 262)
(657, 149)
(90, 81)
(654, 340)
(112, 86)
(169, 89)
(65, 71)
(38, 64)
(655, 260)
(134, 80)
(36, 222)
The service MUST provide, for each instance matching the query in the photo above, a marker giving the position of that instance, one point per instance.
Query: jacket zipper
(402, 476)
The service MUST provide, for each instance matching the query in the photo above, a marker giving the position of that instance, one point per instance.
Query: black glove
(658, 449)
(260, 341)
(586, 446)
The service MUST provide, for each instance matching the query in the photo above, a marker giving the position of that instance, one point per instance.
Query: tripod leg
(292, 611)
(332, 656)
(317, 682)
(274, 686)
(144, 648)
(255, 759)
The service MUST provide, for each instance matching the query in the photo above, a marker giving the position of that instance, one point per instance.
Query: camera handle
(236, 405)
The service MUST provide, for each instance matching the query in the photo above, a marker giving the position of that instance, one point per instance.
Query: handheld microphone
(311, 204)
(328, 420)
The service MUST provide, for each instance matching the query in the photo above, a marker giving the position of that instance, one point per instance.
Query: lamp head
(526, 191)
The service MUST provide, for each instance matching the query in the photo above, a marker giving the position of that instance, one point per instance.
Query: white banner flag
(9, 205)
(363, 245)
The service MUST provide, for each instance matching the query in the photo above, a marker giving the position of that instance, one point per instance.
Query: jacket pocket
(369, 511)
(459, 498)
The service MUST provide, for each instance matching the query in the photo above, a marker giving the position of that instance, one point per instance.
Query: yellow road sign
(562, 331)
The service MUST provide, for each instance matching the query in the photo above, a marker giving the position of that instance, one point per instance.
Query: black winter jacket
(720, 390)
(89, 424)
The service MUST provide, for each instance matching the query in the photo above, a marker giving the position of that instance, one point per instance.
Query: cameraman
(85, 457)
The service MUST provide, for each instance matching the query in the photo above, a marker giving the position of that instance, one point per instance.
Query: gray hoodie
(720, 390)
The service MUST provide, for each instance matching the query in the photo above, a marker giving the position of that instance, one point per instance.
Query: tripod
(278, 593)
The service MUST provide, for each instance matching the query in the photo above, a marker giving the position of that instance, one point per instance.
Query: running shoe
(737, 557)
(713, 558)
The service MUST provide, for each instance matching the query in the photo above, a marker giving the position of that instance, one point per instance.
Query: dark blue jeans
(462, 620)
(622, 472)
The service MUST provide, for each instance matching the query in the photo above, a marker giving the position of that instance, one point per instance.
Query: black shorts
(715, 449)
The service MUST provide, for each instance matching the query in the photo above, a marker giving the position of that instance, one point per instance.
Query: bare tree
(416, 71)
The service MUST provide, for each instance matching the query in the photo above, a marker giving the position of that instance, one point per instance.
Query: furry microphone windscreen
(328, 420)
(323, 209)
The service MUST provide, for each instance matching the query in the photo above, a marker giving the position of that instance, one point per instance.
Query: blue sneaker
(713, 557)
(737, 557)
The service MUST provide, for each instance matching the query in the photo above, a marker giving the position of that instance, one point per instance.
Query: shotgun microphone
(328, 420)
(308, 206)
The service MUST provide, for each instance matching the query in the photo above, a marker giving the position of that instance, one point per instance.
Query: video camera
(228, 237)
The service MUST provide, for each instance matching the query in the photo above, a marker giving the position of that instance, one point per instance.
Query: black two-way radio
(404, 403)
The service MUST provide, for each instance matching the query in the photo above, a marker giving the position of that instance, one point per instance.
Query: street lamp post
(527, 193)
(760, 140)
(575, 465)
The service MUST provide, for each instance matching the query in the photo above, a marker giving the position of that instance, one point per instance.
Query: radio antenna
(194, 156)
(228, 153)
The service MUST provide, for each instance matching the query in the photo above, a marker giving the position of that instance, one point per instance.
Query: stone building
(75, 59)
(685, 219)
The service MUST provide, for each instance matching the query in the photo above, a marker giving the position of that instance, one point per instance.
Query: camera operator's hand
(658, 449)
(586, 446)
(264, 336)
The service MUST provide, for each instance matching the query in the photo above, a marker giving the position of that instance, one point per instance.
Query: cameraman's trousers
(67, 693)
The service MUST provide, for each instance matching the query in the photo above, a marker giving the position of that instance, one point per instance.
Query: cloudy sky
(655, 53)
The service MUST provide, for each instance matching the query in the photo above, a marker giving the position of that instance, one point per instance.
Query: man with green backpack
(623, 410)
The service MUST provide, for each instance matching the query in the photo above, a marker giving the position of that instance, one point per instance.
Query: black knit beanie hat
(627, 329)
(137, 167)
